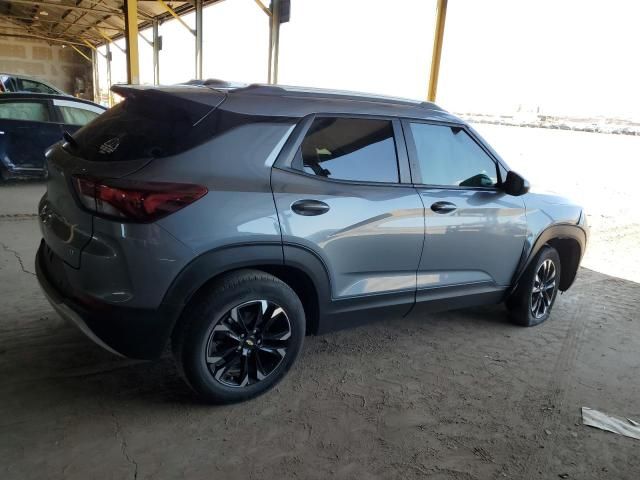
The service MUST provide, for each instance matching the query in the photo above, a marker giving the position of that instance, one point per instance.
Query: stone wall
(57, 65)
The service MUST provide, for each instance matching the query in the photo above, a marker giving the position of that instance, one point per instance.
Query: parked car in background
(11, 83)
(230, 222)
(32, 122)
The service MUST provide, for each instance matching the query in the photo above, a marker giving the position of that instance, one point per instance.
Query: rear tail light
(135, 201)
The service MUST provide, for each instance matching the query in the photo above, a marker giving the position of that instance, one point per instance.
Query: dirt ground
(457, 395)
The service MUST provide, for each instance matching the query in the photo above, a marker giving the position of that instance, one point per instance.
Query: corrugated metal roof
(80, 21)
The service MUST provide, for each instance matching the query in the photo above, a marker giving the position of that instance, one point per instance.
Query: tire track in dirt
(553, 401)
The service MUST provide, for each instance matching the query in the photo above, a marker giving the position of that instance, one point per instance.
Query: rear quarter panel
(235, 167)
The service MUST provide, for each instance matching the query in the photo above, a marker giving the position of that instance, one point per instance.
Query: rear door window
(355, 149)
(30, 111)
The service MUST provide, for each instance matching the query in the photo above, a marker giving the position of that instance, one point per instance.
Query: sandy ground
(457, 395)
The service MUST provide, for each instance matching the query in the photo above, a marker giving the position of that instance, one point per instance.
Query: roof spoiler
(194, 101)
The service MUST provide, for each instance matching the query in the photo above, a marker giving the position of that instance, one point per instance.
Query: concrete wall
(61, 67)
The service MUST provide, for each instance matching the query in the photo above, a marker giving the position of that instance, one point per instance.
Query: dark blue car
(32, 122)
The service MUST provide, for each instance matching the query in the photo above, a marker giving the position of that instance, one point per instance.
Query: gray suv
(229, 222)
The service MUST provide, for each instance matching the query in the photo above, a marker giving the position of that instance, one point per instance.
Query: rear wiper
(69, 139)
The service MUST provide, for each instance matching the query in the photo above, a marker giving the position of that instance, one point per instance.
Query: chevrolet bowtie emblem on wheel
(109, 146)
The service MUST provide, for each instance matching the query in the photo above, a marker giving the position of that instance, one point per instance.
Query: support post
(274, 41)
(199, 32)
(109, 93)
(96, 76)
(131, 34)
(441, 15)
(156, 53)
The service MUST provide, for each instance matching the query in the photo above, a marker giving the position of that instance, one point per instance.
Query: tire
(530, 305)
(220, 354)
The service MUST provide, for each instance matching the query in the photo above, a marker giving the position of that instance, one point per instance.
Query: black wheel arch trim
(560, 231)
(212, 263)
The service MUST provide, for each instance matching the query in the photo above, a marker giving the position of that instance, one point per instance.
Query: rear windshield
(144, 128)
(138, 128)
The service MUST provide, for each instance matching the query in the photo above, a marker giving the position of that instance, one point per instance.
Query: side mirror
(514, 184)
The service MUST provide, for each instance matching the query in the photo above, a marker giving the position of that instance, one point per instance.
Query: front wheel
(239, 337)
(531, 302)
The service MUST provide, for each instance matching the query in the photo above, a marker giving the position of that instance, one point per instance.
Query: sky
(565, 57)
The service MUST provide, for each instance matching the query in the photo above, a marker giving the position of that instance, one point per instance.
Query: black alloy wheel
(248, 343)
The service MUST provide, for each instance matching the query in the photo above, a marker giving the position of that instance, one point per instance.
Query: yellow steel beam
(23, 34)
(176, 16)
(263, 8)
(441, 15)
(102, 34)
(94, 48)
(108, 39)
(131, 35)
(80, 52)
(89, 44)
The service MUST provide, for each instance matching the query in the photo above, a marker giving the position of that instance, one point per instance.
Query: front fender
(559, 231)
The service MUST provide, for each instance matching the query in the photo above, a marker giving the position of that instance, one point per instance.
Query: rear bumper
(129, 332)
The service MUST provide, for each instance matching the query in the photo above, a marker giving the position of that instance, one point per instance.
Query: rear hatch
(150, 123)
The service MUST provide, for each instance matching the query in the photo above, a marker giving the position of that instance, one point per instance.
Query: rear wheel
(240, 337)
(531, 302)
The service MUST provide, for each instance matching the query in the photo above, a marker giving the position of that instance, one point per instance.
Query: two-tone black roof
(293, 101)
(302, 101)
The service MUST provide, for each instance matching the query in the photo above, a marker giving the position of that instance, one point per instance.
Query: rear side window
(448, 156)
(349, 149)
(28, 111)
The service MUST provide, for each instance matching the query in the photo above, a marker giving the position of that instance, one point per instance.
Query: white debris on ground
(621, 426)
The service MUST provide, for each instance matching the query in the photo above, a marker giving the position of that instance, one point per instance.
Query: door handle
(443, 207)
(310, 208)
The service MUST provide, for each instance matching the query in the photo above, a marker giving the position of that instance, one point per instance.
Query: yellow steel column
(441, 14)
(274, 41)
(131, 34)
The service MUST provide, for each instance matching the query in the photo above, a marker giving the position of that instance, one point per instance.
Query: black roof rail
(262, 88)
(215, 83)
(284, 90)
